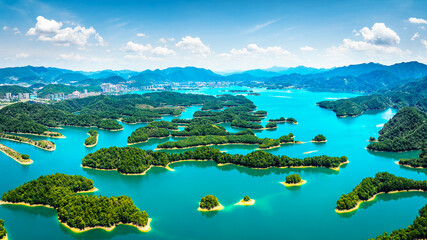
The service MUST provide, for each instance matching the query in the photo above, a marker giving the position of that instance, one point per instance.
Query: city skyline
(218, 35)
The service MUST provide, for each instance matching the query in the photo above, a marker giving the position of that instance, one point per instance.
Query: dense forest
(3, 232)
(271, 125)
(417, 230)
(407, 130)
(92, 139)
(135, 160)
(410, 94)
(420, 162)
(201, 127)
(239, 123)
(77, 211)
(152, 130)
(209, 202)
(283, 120)
(293, 179)
(243, 137)
(382, 183)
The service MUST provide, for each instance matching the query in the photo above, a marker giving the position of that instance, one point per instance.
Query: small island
(209, 203)
(372, 139)
(246, 201)
(283, 120)
(319, 139)
(42, 144)
(420, 162)
(369, 188)
(271, 126)
(92, 140)
(239, 123)
(294, 180)
(23, 159)
(3, 233)
(76, 211)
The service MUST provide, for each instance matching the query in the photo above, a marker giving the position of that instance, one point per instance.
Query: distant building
(8, 95)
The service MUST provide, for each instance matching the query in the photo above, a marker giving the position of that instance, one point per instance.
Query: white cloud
(71, 57)
(380, 34)
(417, 20)
(424, 42)
(16, 31)
(5, 28)
(362, 46)
(415, 36)
(21, 55)
(307, 49)
(261, 26)
(255, 50)
(162, 40)
(52, 31)
(193, 45)
(136, 47)
(162, 51)
(171, 39)
(141, 35)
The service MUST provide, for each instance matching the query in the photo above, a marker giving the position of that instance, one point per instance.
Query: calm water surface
(171, 198)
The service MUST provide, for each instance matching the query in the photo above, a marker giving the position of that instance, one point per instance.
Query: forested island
(420, 162)
(271, 126)
(319, 138)
(43, 144)
(383, 182)
(246, 201)
(417, 230)
(131, 160)
(23, 159)
(405, 131)
(92, 140)
(243, 137)
(283, 120)
(209, 203)
(239, 123)
(3, 232)
(152, 130)
(294, 180)
(78, 212)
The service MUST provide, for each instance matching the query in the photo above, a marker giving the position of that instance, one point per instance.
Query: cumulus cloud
(162, 40)
(415, 36)
(380, 34)
(255, 50)
(424, 42)
(307, 49)
(21, 55)
(417, 20)
(141, 35)
(193, 45)
(142, 51)
(5, 28)
(362, 46)
(52, 31)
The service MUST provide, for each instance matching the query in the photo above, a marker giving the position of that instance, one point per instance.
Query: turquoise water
(171, 198)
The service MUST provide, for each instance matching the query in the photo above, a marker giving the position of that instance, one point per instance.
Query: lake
(171, 197)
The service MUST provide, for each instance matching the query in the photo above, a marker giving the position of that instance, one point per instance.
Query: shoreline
(408, 166)
(145, 228)
(40, 135)
(92, 145)
(150, 138)
(50, 150)
(311, 152)
(294, 184)
(24, 162)
(217, 208)
(318, 141)
(246, 203)
(4, 238)
(222, 144)
(372, 198)
(94, 189)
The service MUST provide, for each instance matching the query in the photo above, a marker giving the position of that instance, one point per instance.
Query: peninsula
(92, 140)
(23, 159)
(42, 144)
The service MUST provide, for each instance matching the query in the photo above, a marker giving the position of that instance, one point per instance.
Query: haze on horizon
(218, 35)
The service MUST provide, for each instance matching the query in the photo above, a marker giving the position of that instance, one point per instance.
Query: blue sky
(219, 35)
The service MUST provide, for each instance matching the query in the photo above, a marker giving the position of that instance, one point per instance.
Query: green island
(319, 138)
(152, 130)
(200, 127)
(405, 131)
(3, 232)
(294, 180)
(23, 159)
(209, 203)
(271, 126)
(132, 160)
(283, 120)
(78, 212)
(92, 140)
(417, 230)
(240, 123)
(246, 201)
(243, 137)
(420, 162)
(369, 188)
(43, 144)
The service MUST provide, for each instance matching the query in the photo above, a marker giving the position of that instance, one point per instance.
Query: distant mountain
(70, 78)
(278, 71)
(97, 82)
(60, 88)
